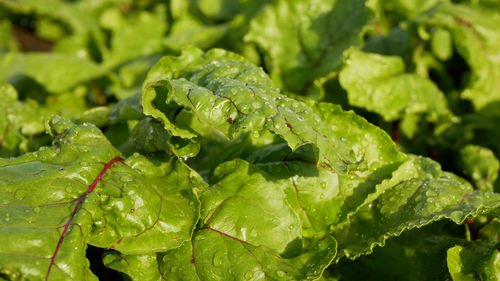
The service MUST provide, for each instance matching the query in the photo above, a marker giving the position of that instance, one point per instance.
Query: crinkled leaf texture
(80, 191)
(226, 95)
(304, 40)
(418, 194)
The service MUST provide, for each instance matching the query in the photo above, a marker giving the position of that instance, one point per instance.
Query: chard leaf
(322, 196)
(478, 260)
(248, 230)
(56, 72)
(228, 95)
(417, 194)
(475, 35)
(149, 136)
(418, 254)
(480, 164)
(17, 120)
(304, 40)
(380, 84)
(79, 192)
(137, 267)
(138, 36)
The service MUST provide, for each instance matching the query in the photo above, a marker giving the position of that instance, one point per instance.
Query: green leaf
(479, 164)
(380, 84)
(79, 192)
(248, 230)
(7, 40)
(417, 194)
(475, 35)
(56, 72)
(400, 10)
(149, 136)
(478, 260)
(441, 44)
(419, 254)
(229, 95)
(18, 120)
(304, 40)
(137, 267)
(135, 37)
(188, 27)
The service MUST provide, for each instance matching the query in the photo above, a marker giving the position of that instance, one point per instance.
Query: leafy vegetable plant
(249, 140)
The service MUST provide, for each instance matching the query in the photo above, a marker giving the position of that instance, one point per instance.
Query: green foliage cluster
(249, 140)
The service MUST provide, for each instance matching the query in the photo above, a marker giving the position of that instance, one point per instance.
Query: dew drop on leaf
(36, 210)
(125, 179)
(248, 275)
(20, 194)
(218, 258)
(430, 193)
(280, 273)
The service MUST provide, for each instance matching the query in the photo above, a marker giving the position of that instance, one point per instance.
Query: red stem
(79, 202)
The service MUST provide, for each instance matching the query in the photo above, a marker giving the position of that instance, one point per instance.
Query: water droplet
(83, 149)
(173, 268)
(323, 185)
(218, 258)
(7, 218)
(36, 210)
(248, 275)
(125, 178)
(280, 273)
(343, 139)
(430, 193)
(20, 194)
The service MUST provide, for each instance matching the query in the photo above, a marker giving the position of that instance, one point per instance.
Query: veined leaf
(417, 194)
(79, 192)
(304, 40)
(248, 230)
(229, 95)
